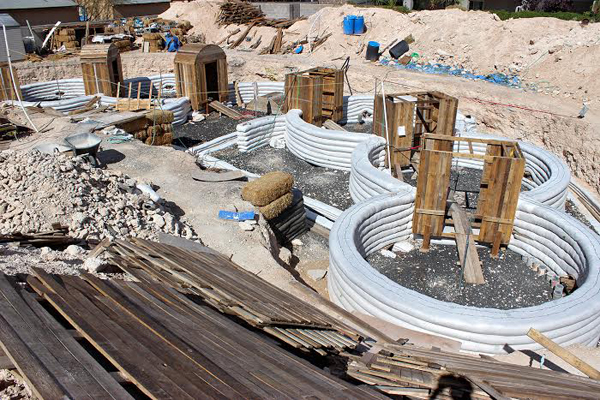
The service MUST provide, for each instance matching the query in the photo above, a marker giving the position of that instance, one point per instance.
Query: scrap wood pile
(425, 374)
(235, 291)
(242, 13)
(85, 338)
(57, 237)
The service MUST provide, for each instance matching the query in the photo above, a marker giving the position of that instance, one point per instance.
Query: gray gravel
(509, 282)
(324, 184)
(573, 211)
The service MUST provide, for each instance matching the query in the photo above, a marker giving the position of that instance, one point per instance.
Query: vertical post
(139, 92)
(14, 83)
(387, 131)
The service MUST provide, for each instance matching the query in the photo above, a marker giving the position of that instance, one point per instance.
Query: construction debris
(426, 374)
(241, 13)
(39, 190)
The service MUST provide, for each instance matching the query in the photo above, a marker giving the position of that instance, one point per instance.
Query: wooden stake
(564, 354)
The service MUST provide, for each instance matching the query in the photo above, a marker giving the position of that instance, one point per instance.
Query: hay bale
(167, 138)
(65, 38)
(160, 117)
(66, 31)
(135, 125)
(152, 36)
(267, 188)
(275, 208)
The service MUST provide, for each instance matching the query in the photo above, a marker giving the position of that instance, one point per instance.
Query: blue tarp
(440, 69)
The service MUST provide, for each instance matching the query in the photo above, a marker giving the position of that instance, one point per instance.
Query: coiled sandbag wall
(548, 182)
(355, 106)
(540, 231)
(319, 146)
(367, 175)
(258, 132)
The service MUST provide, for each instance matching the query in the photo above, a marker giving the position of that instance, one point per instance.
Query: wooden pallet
(432, 371)
(233, 290)
(146, 341)
(318, 92)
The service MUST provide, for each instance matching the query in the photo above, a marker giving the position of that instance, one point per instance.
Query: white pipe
(50, 34)
(12, 76)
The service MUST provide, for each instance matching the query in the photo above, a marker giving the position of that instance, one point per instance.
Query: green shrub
(567, 16)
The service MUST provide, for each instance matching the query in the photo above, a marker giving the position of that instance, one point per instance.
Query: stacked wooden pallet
(94, 339)
(233, 290)
(425, 374)
(66, 37)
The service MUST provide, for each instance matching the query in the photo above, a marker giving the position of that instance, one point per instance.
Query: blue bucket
(359, 25)
(372, 51)
(349, 24)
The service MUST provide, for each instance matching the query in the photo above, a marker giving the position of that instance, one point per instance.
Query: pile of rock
(38, 190)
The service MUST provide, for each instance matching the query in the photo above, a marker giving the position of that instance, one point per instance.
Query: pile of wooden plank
(235, 291)
(66, 37)
(241, 13)
(56, 237)
(86, 338)
(424, 374)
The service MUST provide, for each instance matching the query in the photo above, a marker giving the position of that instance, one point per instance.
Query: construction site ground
(548, 118)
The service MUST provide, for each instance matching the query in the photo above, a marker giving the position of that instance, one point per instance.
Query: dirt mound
(549, 55)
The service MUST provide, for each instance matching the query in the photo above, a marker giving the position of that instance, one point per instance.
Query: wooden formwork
(500, 186)
(318, 92)
(101, 69)
(409, 116)
(201, 74)
(7, 90)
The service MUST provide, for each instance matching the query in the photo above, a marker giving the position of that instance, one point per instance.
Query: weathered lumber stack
(426, 374)
(155, 343)
(242, 13)
(66, 37)
(154, 128)
(235, 291)
(153, 42)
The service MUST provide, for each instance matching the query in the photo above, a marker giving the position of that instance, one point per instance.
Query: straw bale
(276, 207)
(160, 116)
(267, 188)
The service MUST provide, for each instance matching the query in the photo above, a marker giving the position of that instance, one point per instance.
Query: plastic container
(349, 24)
(359, 25)
(373, 51)
(399, 49)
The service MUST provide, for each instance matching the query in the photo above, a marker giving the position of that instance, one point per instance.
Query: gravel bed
(327, 185)
(214, 126)
(509, 282)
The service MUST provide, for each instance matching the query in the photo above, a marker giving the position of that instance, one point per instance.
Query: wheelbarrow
(86, 144)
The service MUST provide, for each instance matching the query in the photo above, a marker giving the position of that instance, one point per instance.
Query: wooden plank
(467, 250)
(329, 124)
(220, 107)
(564, 354)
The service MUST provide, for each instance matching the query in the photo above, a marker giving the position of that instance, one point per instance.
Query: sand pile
(548, 54)
(37, 190)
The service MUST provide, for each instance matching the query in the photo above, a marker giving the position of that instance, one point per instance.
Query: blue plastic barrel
(359, 25)
(349, 24)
